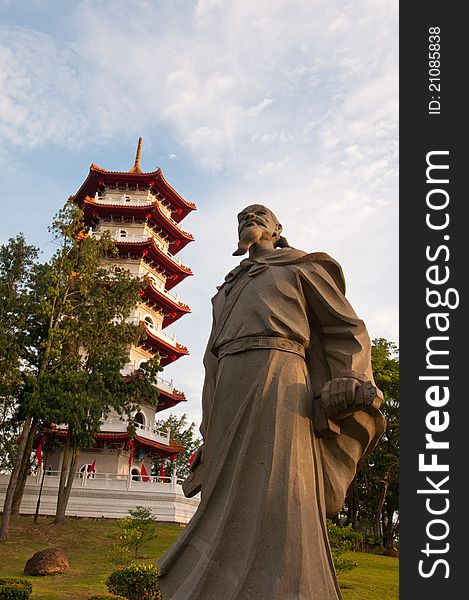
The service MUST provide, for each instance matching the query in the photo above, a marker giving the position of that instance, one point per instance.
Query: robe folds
(268, 481)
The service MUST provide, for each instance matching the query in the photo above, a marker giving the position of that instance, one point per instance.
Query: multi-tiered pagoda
(143, 214)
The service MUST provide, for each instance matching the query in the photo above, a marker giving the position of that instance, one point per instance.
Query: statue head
(257, 224)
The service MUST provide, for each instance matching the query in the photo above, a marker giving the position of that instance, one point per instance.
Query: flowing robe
(268, 480)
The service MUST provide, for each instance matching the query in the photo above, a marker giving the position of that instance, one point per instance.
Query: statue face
(258, 217)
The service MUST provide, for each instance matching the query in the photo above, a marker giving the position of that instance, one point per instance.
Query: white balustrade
(160, 287)
(111, 481)
(108, 495)
(152, 329)
(120, 425)
(120, 199)
(148, 200)
(131, 237)
(163, 384)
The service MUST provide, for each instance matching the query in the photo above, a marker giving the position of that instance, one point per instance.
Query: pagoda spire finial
(136, 168)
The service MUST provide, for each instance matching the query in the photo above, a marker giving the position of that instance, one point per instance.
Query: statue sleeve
(339, 347)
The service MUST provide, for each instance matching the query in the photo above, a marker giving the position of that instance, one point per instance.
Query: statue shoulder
(317, 263)
(322, 262)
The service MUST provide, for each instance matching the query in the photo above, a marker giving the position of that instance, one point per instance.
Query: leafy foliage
(136, 582)
(184, 434)
(75, 337)
(16, 264)
(341, 540)
(80, 333)
(373, 498)
(133, 532)
(15, 588)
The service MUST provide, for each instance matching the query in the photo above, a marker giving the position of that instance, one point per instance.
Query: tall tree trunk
(379, 529)
(62, 507)
(353, 504)
(24, 471)
(388, 535)
(63, 476)
(5, 526)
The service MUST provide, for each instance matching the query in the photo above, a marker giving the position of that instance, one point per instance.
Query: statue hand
(338, 396)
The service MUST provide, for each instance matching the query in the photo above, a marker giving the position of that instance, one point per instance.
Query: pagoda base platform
(107, 496)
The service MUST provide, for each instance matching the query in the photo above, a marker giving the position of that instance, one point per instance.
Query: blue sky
(289, 103)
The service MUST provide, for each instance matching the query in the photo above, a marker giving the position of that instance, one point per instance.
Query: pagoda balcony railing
(142, 201)
(144, 238)
(113, 481)
(171, 339)
(148, 231)
(123, 200)
(118, 425)
(160, 287)
(162, 384)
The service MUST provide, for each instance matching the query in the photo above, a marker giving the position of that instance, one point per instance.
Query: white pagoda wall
(111, 499)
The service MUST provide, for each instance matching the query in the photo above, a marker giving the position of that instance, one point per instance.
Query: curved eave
(155, 179)
(172, 309)
(161, 220)
(176, 271)
(179, 237)
(168, 352)
(173, 447)
(167, 400)
(179, 201)
(105, 436)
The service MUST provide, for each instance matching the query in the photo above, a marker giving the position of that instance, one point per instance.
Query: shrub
(341, 540)
(373, 541)
(136, 582)
(15, 588)
(133, 532)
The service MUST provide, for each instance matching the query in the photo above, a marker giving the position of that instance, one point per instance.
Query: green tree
(342, 540)
(373, 497)
(79, 337)
(134, 532)
(16, 261)
(182, 433)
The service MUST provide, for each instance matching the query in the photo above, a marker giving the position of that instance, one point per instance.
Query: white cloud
(255, 110)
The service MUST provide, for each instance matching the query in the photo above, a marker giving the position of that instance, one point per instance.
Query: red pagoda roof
(177, 271)
(172, 309)
(150, 212)
(106, 436)
(168, 352)
(167, 400)
(154, 180)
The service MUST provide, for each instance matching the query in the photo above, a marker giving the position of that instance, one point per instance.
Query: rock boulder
(50, 561)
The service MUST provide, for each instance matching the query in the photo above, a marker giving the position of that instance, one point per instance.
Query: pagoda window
(122, 233)
(126, 197)
(139, 418)
(149, 321)
(135, 474)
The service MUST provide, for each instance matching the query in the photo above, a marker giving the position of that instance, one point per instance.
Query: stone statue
(289, 408)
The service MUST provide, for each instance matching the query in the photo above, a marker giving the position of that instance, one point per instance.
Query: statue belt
(259, 342)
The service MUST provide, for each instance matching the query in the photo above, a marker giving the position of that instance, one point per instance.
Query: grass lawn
(88, 547)
(376, 577)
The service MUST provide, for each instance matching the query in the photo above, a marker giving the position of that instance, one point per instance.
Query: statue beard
(248, 237)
